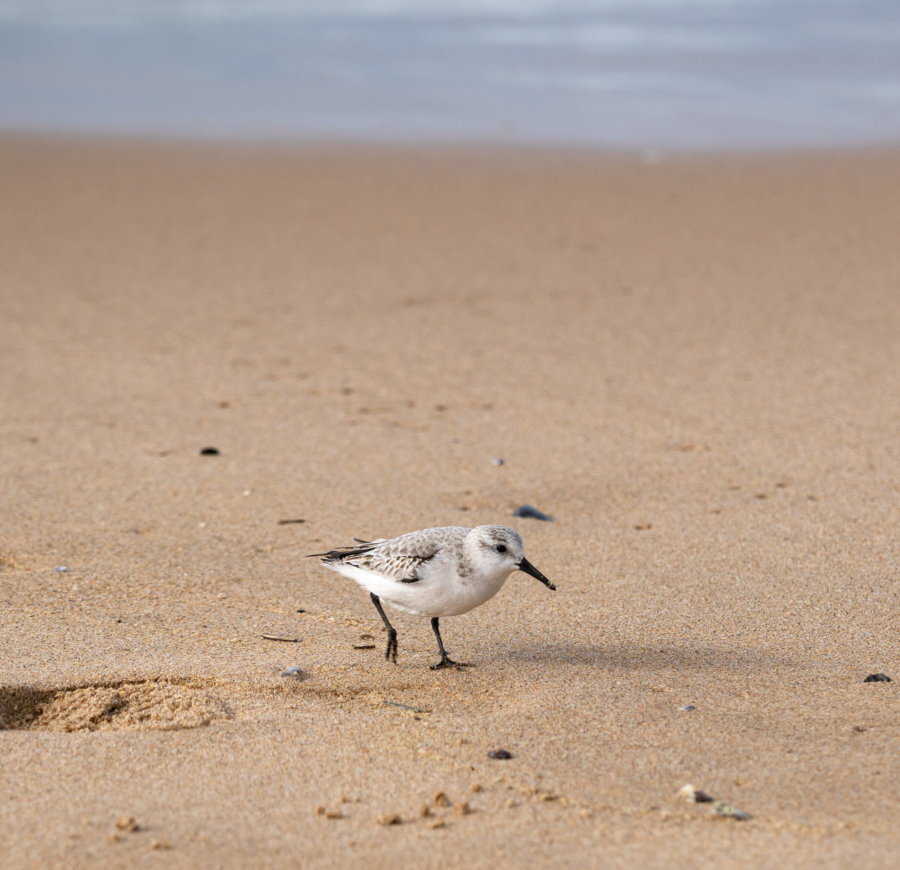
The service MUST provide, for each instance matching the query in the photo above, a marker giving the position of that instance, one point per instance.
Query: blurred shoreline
(651, 75)
(552, 152)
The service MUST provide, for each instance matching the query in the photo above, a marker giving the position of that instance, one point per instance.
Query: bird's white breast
(440, 591)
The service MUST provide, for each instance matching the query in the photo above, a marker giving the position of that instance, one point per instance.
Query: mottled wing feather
(400, 566)
(403, 568)
(400, 559)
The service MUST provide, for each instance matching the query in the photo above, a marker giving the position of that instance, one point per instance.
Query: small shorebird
(436, 572)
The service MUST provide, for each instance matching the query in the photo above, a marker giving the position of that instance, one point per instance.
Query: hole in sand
(142, 705)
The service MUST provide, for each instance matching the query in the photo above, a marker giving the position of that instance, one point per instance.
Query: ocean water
(668, 75)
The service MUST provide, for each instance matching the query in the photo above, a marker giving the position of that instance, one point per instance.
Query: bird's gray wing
(399, 567)
(396, 559)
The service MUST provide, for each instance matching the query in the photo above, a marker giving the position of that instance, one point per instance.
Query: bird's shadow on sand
(643, 657)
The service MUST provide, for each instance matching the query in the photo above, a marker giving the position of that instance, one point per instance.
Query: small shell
(727, 811)
(529, 512)
(695, 795)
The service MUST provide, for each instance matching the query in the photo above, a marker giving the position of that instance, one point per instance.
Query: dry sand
(693, 365)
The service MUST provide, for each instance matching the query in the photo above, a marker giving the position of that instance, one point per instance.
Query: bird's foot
(390, 653)
(447, 662)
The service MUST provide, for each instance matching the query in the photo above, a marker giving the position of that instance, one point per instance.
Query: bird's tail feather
(341, 554)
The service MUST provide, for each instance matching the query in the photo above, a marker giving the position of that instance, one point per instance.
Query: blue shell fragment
(532, 513)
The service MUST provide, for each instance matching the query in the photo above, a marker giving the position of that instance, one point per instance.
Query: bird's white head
(501, 551)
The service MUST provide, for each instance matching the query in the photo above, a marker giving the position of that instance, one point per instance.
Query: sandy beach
(692, 364)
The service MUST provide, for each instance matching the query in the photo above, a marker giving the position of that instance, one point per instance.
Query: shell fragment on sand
(727, 811)
(532, 513)
(695, 795)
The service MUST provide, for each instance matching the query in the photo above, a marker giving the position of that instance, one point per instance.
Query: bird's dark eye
(501, 548)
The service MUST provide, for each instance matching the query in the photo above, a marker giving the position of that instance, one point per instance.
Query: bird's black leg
(446, 661)
(391, 652)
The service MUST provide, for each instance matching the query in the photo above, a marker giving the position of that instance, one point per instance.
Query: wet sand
(692, 365)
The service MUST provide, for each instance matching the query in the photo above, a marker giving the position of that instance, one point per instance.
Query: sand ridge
(159, 705)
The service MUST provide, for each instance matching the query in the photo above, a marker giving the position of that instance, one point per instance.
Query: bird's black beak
(528, 568)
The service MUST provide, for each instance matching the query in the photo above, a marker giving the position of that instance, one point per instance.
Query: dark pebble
(878, 678)
(500, 754)
(300, 610)
(688, 708)
(532, 513)
(209, 451)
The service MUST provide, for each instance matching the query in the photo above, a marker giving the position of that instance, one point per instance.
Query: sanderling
(437, 572)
